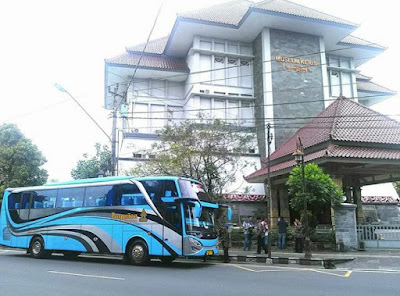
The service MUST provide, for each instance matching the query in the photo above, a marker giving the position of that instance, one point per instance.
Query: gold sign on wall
(297, 64)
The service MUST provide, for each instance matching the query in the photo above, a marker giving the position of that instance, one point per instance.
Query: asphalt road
(22, 275)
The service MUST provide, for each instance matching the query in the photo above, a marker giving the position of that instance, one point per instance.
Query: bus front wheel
(37, 249)
(138, 253)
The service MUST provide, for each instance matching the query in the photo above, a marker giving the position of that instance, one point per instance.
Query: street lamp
(113, 158)
(299, 157)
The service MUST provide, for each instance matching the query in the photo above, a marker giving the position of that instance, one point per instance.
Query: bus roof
(117, 178)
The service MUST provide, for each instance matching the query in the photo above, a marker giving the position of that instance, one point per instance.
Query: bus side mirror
(197, 210)
(229, 214)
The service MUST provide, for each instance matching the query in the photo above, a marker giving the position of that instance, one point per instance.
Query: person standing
(262, 235)
(282, 228)
(298, 236)
(248, 227)
(225, 241)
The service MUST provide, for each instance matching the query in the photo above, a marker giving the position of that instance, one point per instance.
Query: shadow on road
(118, 260)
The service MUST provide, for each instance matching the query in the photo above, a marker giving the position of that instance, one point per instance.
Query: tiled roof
(344, 120)
(362, 77)
(232, 12)
(285, 165)
(287, 7)
(229, 13)
(334, 151)
(362, 152)
(150, 61)
(373, 87)
(156, 46)
(350, 39)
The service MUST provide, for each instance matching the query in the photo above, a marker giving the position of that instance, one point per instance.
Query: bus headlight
(195, 245)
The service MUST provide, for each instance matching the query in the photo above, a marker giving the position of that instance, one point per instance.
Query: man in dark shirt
(282, 227)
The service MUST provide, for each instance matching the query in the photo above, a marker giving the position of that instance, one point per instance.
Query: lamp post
(299, 157)
(113, 158)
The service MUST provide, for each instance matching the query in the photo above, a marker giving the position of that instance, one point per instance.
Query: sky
(44, 42)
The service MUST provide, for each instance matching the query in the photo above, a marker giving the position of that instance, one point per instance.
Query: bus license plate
(209, 252)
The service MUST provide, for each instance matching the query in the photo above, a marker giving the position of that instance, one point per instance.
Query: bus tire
(37, 249)
(138, 253)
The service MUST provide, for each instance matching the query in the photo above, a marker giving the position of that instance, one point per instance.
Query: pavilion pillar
(339, 182)
(273, 209)
(284, 203)
(357, 200)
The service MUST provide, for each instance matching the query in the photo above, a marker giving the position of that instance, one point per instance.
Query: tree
(320, 190)
(208, 151)
(20, 160)
(397, 186)
(90, 166)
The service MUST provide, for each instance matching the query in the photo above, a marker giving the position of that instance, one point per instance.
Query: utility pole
(114, 161)
(269, 141)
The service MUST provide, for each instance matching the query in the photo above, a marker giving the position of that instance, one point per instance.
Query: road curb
(326, 262)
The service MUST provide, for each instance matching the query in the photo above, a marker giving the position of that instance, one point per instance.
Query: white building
(246, 62)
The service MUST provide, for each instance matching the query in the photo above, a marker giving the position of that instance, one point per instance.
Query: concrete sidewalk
(370, 259)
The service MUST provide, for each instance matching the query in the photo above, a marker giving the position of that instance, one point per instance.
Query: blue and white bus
(141, 218)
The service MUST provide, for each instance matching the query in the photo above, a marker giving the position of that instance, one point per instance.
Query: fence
(379, 236)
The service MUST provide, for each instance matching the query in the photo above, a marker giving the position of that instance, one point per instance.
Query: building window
(205, 108)
(205, 68)
(219, 70)
(232, 48)
(233, 72)
(157, 121)
(233, 112)
(246, 75)
(205, 45)
(219, 46)
(340, 76)
(219, 109)
(175, 115)
(140, 117)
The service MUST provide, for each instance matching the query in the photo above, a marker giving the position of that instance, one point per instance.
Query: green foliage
(397, 186)
(326, 238)
(88, 167)
(320, 190)
(20, 160)
(208, 151)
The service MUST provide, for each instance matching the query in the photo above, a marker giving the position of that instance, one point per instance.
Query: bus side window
(154, 189)
(47, 197)
(170, 189)
(26, 200)
(99, 196)
(14, 201)
(70, 197)
(37, 200)
(129, 194)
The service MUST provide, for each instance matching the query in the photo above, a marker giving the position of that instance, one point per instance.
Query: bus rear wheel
(138, 253)
(37, 249)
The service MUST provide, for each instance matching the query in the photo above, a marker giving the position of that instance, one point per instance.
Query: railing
(379, 232)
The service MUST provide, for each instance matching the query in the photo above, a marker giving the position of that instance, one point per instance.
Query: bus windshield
(203, 227)
(193, 190)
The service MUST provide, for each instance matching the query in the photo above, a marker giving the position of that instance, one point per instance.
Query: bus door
(172, 229)
(24, 209)
(163, 194)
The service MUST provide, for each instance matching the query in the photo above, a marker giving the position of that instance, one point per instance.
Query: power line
(238, 66)
(264, 105)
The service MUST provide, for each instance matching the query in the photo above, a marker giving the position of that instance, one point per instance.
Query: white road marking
(283, 268)
(87, 275)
